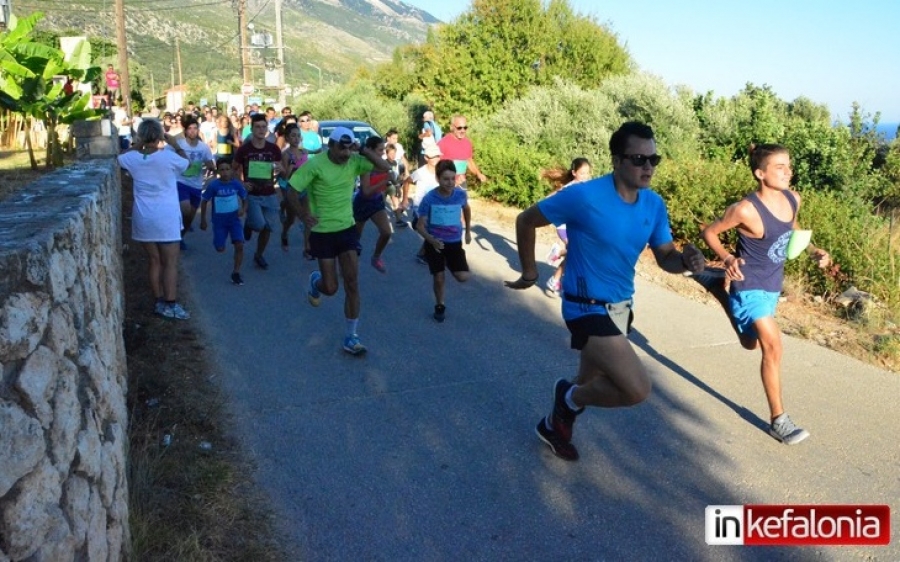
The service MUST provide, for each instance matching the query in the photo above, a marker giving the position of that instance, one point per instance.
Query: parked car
(361, 130)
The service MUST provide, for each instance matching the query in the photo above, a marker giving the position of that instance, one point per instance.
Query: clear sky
(832, 51)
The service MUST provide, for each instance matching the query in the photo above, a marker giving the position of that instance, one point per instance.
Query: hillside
(335, 35)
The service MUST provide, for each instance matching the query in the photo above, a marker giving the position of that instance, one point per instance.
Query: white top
(208, 131)
(156, 214)
(197, 156)
(424, 180)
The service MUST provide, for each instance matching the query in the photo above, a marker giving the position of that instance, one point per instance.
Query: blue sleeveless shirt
(764, 257)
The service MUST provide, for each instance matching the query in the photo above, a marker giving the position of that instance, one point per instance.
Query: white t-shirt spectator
(156, 213)
(208, 131)
(424, 180)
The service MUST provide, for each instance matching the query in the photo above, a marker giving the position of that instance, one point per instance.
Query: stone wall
(63, 417)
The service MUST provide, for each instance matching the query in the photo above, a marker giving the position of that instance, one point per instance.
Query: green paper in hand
(193, 169)
(799, 241)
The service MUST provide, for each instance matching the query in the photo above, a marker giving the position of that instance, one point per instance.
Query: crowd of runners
(261, 172)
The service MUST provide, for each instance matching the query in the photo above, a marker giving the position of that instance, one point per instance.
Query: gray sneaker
(175, 311)
(785, 431)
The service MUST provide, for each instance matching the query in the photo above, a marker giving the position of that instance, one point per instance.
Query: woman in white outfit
(155, 161)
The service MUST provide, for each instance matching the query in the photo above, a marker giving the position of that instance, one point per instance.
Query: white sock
(352, 324)
(569, 401)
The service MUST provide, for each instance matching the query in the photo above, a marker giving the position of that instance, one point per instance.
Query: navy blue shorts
(364, 208)
(188, 193)
(329, 245)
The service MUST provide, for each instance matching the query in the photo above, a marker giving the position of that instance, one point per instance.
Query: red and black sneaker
(562, 417)
(560, 447)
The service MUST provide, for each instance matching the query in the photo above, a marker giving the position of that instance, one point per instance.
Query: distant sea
(889, 130)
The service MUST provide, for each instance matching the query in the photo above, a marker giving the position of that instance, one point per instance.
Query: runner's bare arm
(526, 223)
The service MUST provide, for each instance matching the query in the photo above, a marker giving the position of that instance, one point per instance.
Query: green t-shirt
(330, 189)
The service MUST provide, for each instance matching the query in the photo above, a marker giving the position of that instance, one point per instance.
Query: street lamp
(320, 73)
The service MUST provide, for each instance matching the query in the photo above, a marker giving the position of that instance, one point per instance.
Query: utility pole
(279, 41)
(172, 70)
(122, 47)
(178, 60)
(245, 49)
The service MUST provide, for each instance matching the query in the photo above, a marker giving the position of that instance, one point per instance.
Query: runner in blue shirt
(609, 221)
(443, 212)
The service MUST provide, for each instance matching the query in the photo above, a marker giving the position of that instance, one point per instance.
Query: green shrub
(513, 169)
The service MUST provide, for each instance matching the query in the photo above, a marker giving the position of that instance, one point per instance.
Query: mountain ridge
(336, 36)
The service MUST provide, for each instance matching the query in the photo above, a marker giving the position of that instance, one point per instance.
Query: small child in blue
(441, 215)
(229, 202)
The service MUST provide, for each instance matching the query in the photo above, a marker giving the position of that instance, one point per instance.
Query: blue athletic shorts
(364, 208)
(222, 229)
(749, 306)
(188, 193)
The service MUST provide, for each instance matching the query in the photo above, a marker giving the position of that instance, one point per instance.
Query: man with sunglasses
(458, 147)
(609, 221)
(327, 210)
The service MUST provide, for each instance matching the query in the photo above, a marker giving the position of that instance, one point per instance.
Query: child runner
(292, 157)
(442, 213)
(371, 207)
(764, 221)
(229, 202)
(393, 189)
(190, 182)
(579, 171)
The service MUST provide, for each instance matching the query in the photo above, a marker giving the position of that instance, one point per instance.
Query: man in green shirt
(327, 185)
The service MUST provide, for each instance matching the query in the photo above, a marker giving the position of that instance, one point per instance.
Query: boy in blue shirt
(441, 216)
(229, 202)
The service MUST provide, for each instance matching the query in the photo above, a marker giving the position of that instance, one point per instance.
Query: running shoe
(260, 261)
(353, 346)
(175, 311)
(560, 447)
(378, 264)
(785, 431)
(562, 417)
(237, 279)
(313, 294)
(439, 312)
(159, 307)
(553, 285)
(554, 253)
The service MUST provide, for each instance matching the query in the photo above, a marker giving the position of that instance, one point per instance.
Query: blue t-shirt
(226, 198)
(606, 238)
(444, 214)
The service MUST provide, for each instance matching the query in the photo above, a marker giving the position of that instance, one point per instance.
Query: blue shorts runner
(749, 306)
(329, 245)
(188, 193)
(364, 208)
(224, 228)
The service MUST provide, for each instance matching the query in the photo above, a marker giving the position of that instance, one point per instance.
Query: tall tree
(498, 49)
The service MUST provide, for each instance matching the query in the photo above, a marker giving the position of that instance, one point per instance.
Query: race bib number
(446, 215)
(260, 170)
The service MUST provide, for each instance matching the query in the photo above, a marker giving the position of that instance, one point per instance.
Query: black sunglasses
(462, 128)
(639, 160)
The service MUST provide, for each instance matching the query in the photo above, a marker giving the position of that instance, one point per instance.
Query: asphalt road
(424, 449)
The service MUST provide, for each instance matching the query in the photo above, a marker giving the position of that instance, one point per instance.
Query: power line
(49, 10)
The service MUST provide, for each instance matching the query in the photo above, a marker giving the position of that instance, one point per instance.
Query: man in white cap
(322, 196)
